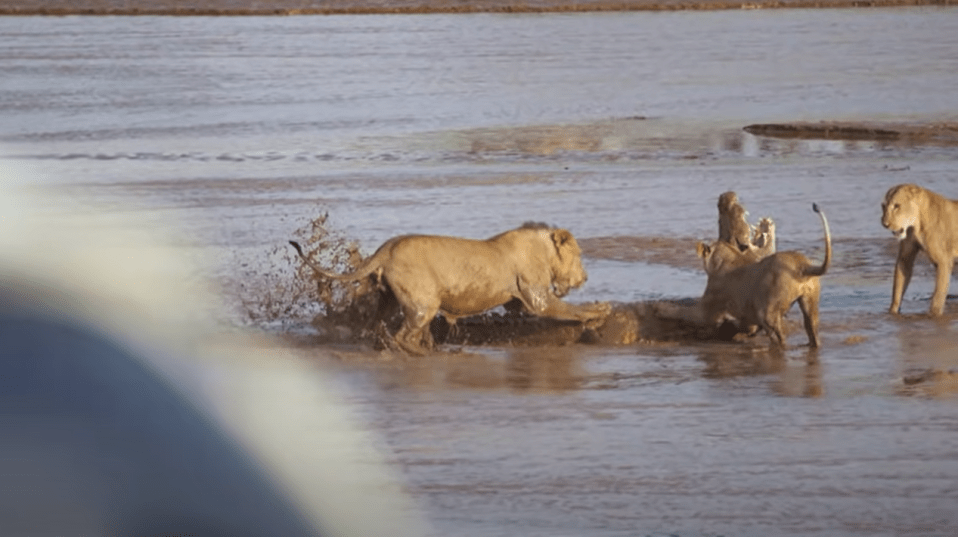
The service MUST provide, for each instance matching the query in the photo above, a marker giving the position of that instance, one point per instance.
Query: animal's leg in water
(809, 307)
(409, 336)
(907, 252)
(942, 279)
(544, 303)
(414, 336)
(773, 326)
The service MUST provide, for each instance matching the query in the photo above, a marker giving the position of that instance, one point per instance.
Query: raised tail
(818, 271)
(363, 270)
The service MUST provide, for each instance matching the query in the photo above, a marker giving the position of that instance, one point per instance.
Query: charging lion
(921, 220)
(760, 293)
(459, 277)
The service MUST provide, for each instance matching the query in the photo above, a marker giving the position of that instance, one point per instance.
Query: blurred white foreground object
(124, 412)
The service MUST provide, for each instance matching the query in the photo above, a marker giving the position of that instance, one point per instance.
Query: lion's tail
(818, 271)
(368, 266)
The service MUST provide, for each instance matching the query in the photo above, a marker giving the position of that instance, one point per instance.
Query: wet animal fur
(458, 277)
(761, 293)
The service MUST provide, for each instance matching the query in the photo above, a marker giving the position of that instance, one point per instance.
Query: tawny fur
(760, 293)
(458, 277)
(732, 222)
(735, 230)
(921, 220)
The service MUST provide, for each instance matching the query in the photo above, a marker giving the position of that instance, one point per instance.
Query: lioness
(761, 293)
(921, 220)
(458, 277)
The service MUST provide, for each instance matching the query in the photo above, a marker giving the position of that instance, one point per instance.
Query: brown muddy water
(623, 128)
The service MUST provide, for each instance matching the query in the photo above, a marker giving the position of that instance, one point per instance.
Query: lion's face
(567, 270)
(900, 210)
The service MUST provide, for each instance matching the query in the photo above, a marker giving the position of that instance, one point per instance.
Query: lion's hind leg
(808, 303)
(772, 323)
(414, 336)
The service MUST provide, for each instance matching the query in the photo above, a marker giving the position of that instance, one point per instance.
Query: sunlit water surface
(237, 131)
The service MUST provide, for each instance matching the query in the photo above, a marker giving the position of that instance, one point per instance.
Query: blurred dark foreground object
(93, 442)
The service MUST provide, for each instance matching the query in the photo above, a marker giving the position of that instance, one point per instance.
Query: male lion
(921, 220)
(459, 277)
(759, 294)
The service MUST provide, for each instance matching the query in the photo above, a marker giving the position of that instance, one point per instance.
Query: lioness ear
(702, 249)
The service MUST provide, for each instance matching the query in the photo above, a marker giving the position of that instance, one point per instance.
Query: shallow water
(237, 131)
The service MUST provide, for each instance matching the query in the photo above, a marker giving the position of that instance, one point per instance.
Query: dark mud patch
(331, 7)
(628, 323)
(650, 323)
(899, 133)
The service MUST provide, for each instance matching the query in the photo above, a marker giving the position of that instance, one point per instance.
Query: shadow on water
(798, 370)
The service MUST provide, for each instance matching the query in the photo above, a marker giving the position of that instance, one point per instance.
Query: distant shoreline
(353, 7)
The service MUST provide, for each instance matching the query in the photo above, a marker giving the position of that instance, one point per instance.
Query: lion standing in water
(459, 277)
(760, 293)
(921, 220)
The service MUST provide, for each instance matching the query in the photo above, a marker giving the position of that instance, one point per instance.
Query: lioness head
(706, 254)
(567, 270)
(901, 209)
(720, 257)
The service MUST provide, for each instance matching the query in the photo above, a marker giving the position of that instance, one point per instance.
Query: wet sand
(331, 7)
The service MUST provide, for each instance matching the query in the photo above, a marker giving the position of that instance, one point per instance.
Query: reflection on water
(543, 369)
(929, 363)
(519, 370)
(623, 128)
(797, 373)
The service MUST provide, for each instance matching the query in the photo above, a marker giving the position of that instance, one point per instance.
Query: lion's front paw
(598, 313)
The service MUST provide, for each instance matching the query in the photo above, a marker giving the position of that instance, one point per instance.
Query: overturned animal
(429, 274)
(733, 225)
(734, 229)
(921, 220)
(760, 293)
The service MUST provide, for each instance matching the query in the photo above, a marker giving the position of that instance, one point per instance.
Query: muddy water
(623, 128)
